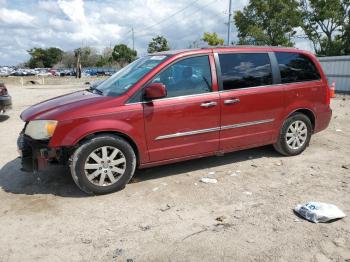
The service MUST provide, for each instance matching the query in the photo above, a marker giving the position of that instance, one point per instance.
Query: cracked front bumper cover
(35, 155)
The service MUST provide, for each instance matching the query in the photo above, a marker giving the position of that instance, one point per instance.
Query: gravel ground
(166, 214)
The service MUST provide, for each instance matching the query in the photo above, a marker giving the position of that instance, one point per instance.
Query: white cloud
(15, 18)
(49, 6)
(68, 24)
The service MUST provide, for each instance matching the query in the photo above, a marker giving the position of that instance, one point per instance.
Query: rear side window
(296, 68)
(245, 70)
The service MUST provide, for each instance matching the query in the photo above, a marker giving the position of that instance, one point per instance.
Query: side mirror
(155, 91)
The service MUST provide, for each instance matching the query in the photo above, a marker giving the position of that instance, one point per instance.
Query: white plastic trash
(319, 212)
(208, 180)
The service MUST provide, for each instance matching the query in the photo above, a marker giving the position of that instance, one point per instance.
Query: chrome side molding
(208, 130)
(247, 124)
(189, 133)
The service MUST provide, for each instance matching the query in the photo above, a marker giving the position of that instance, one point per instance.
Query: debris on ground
(86, 241)
(222, 226)
(234, 174)
(167, 207)
(346, 166)
(208, 180)
(247, 193)
(155, 189)
(145, 227)
(195, 233)
(220, 218)
(211, 173)
(319, 212)
(253, 165)
(339, 130)
(118, 252)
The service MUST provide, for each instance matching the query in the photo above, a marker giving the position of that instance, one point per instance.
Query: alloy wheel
(296, 135)
(105, 165)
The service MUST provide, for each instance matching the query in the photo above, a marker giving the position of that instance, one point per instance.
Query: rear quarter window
(296, 67)
(243, 70)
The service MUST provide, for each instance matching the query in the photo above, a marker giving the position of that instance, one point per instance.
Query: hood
(66, 107)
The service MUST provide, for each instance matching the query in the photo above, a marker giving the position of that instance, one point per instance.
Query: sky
(69, 24)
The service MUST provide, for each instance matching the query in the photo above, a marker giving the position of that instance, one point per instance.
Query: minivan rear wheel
(103, 164)
(294, 136)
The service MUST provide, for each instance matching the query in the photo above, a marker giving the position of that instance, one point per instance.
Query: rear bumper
(5, 103)
(36, 155)
(323, 120)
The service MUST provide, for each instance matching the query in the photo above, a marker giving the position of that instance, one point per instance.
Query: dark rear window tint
(245, 70)
(296, 68)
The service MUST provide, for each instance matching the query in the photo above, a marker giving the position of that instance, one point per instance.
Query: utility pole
(229, 23)
(133, 39)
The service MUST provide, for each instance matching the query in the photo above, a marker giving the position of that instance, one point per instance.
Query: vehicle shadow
(3, 118)
(203, 163)
(57, 180)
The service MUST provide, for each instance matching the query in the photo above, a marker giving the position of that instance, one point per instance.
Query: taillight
(328, 95)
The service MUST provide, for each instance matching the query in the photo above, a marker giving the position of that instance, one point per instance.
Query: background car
(5, 98)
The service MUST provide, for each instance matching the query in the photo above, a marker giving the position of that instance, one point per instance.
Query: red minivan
(179, 105)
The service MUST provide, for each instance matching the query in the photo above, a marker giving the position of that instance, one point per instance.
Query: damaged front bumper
(36, 155)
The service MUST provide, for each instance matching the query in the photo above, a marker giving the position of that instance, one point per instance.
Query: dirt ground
(166, 214)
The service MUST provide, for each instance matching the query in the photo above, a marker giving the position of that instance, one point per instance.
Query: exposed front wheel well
(125, 137)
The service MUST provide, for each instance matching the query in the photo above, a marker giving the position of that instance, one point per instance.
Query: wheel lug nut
(105, 171)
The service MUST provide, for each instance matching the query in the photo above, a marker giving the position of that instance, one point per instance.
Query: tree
(158, 44)
(326, 24)
(68, 60)
(123, 54)
(44, 57)
(212, 39)
(346, 38)
(268, 22)
(105, 58)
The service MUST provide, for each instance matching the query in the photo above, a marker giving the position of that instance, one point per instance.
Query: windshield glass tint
(125, 78)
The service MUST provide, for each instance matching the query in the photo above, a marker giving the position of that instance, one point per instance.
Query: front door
(186, 122)
(251, 103)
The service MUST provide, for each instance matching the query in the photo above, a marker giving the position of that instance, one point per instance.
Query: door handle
(208, 104)
(231, 101)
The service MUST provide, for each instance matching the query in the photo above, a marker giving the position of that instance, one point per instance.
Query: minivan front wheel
(103, 164)
(295, 135)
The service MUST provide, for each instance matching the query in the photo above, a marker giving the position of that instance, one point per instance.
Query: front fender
(69, 133)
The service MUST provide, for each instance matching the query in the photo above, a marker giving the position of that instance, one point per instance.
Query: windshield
(125, 78)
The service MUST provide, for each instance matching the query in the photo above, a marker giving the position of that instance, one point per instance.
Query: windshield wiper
(95, 90)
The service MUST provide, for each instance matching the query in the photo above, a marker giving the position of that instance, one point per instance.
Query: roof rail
(251, 46)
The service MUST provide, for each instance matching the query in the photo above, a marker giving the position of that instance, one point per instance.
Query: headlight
(41, 129)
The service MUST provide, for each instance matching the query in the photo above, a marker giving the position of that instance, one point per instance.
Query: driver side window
(187, 77)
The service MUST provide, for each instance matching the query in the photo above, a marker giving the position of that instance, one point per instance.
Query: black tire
(281, 145)
(79, 157)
